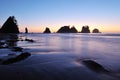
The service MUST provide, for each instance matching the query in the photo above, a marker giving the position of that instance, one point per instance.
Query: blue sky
(38, 14)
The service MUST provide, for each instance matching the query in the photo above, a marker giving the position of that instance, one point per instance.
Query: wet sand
(49, 62)
(50, 67)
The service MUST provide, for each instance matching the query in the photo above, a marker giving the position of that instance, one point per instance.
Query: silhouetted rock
(10, 26)
(17, 49)
(73, 30)
(94, 66)
(8, 40)
(47, 30)
(96, 31)
(29, 40)
(64, 29)
(67, 29)
(85, 29)
(26, 30)
(20, 57)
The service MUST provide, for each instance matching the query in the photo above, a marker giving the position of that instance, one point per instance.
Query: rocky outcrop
(95, 66)
(85, 29)
(18, 58)
(10, 26)
(47, 30)
(26, 30)
(67, 29)
(95, 31)
(73, 30)
(64, 29)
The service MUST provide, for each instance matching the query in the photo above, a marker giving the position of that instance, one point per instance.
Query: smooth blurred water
(104, 48)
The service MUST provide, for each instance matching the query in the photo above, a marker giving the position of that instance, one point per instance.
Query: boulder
(95, 66)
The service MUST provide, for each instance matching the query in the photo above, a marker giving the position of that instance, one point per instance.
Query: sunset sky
(39, 14)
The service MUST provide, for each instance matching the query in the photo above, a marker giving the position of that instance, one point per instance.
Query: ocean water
(60, 56)
(103, 48)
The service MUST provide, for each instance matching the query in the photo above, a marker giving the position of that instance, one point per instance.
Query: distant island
(11, 26)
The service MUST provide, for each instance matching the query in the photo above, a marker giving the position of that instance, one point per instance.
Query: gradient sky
(38, 14)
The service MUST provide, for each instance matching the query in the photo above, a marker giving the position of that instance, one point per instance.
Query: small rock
(94, 66)
(20, 57)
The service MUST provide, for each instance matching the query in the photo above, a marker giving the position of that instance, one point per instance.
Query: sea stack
(73, 30)
(47, 30)
(85, 29)
(64, 29)
(10, 26)
(26, 30)
(95, 31)
(67, 29)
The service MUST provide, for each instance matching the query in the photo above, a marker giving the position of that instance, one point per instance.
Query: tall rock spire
(10, 26)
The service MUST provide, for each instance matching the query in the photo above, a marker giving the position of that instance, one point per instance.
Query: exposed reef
(13, 53)
(18, 58)
(95, 66)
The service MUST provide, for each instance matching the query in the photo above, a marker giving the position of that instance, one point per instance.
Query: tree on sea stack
(10, 26)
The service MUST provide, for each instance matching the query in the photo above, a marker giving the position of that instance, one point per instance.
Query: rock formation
(64, 29)
(95, 66)
(26, 30)
(67, 29)
(95, 31)
(73, 30)
(47, 30)
(85, 29)
(10, 26)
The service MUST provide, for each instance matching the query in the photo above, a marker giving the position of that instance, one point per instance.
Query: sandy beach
(53, 63)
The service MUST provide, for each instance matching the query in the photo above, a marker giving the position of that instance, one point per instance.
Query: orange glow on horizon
(102, 29)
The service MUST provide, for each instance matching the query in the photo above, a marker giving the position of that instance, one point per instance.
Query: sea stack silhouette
(96, 31)
(26, 30)
(85, 29)
(73, 30)
(10, 26)
(67, 29)
(47, 30)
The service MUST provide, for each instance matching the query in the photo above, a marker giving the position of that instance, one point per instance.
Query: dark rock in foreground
(85, 29)
(29, 40)
(10, 26)
(20, 57)
(94, 66)
(47, 30)
(17, 49)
